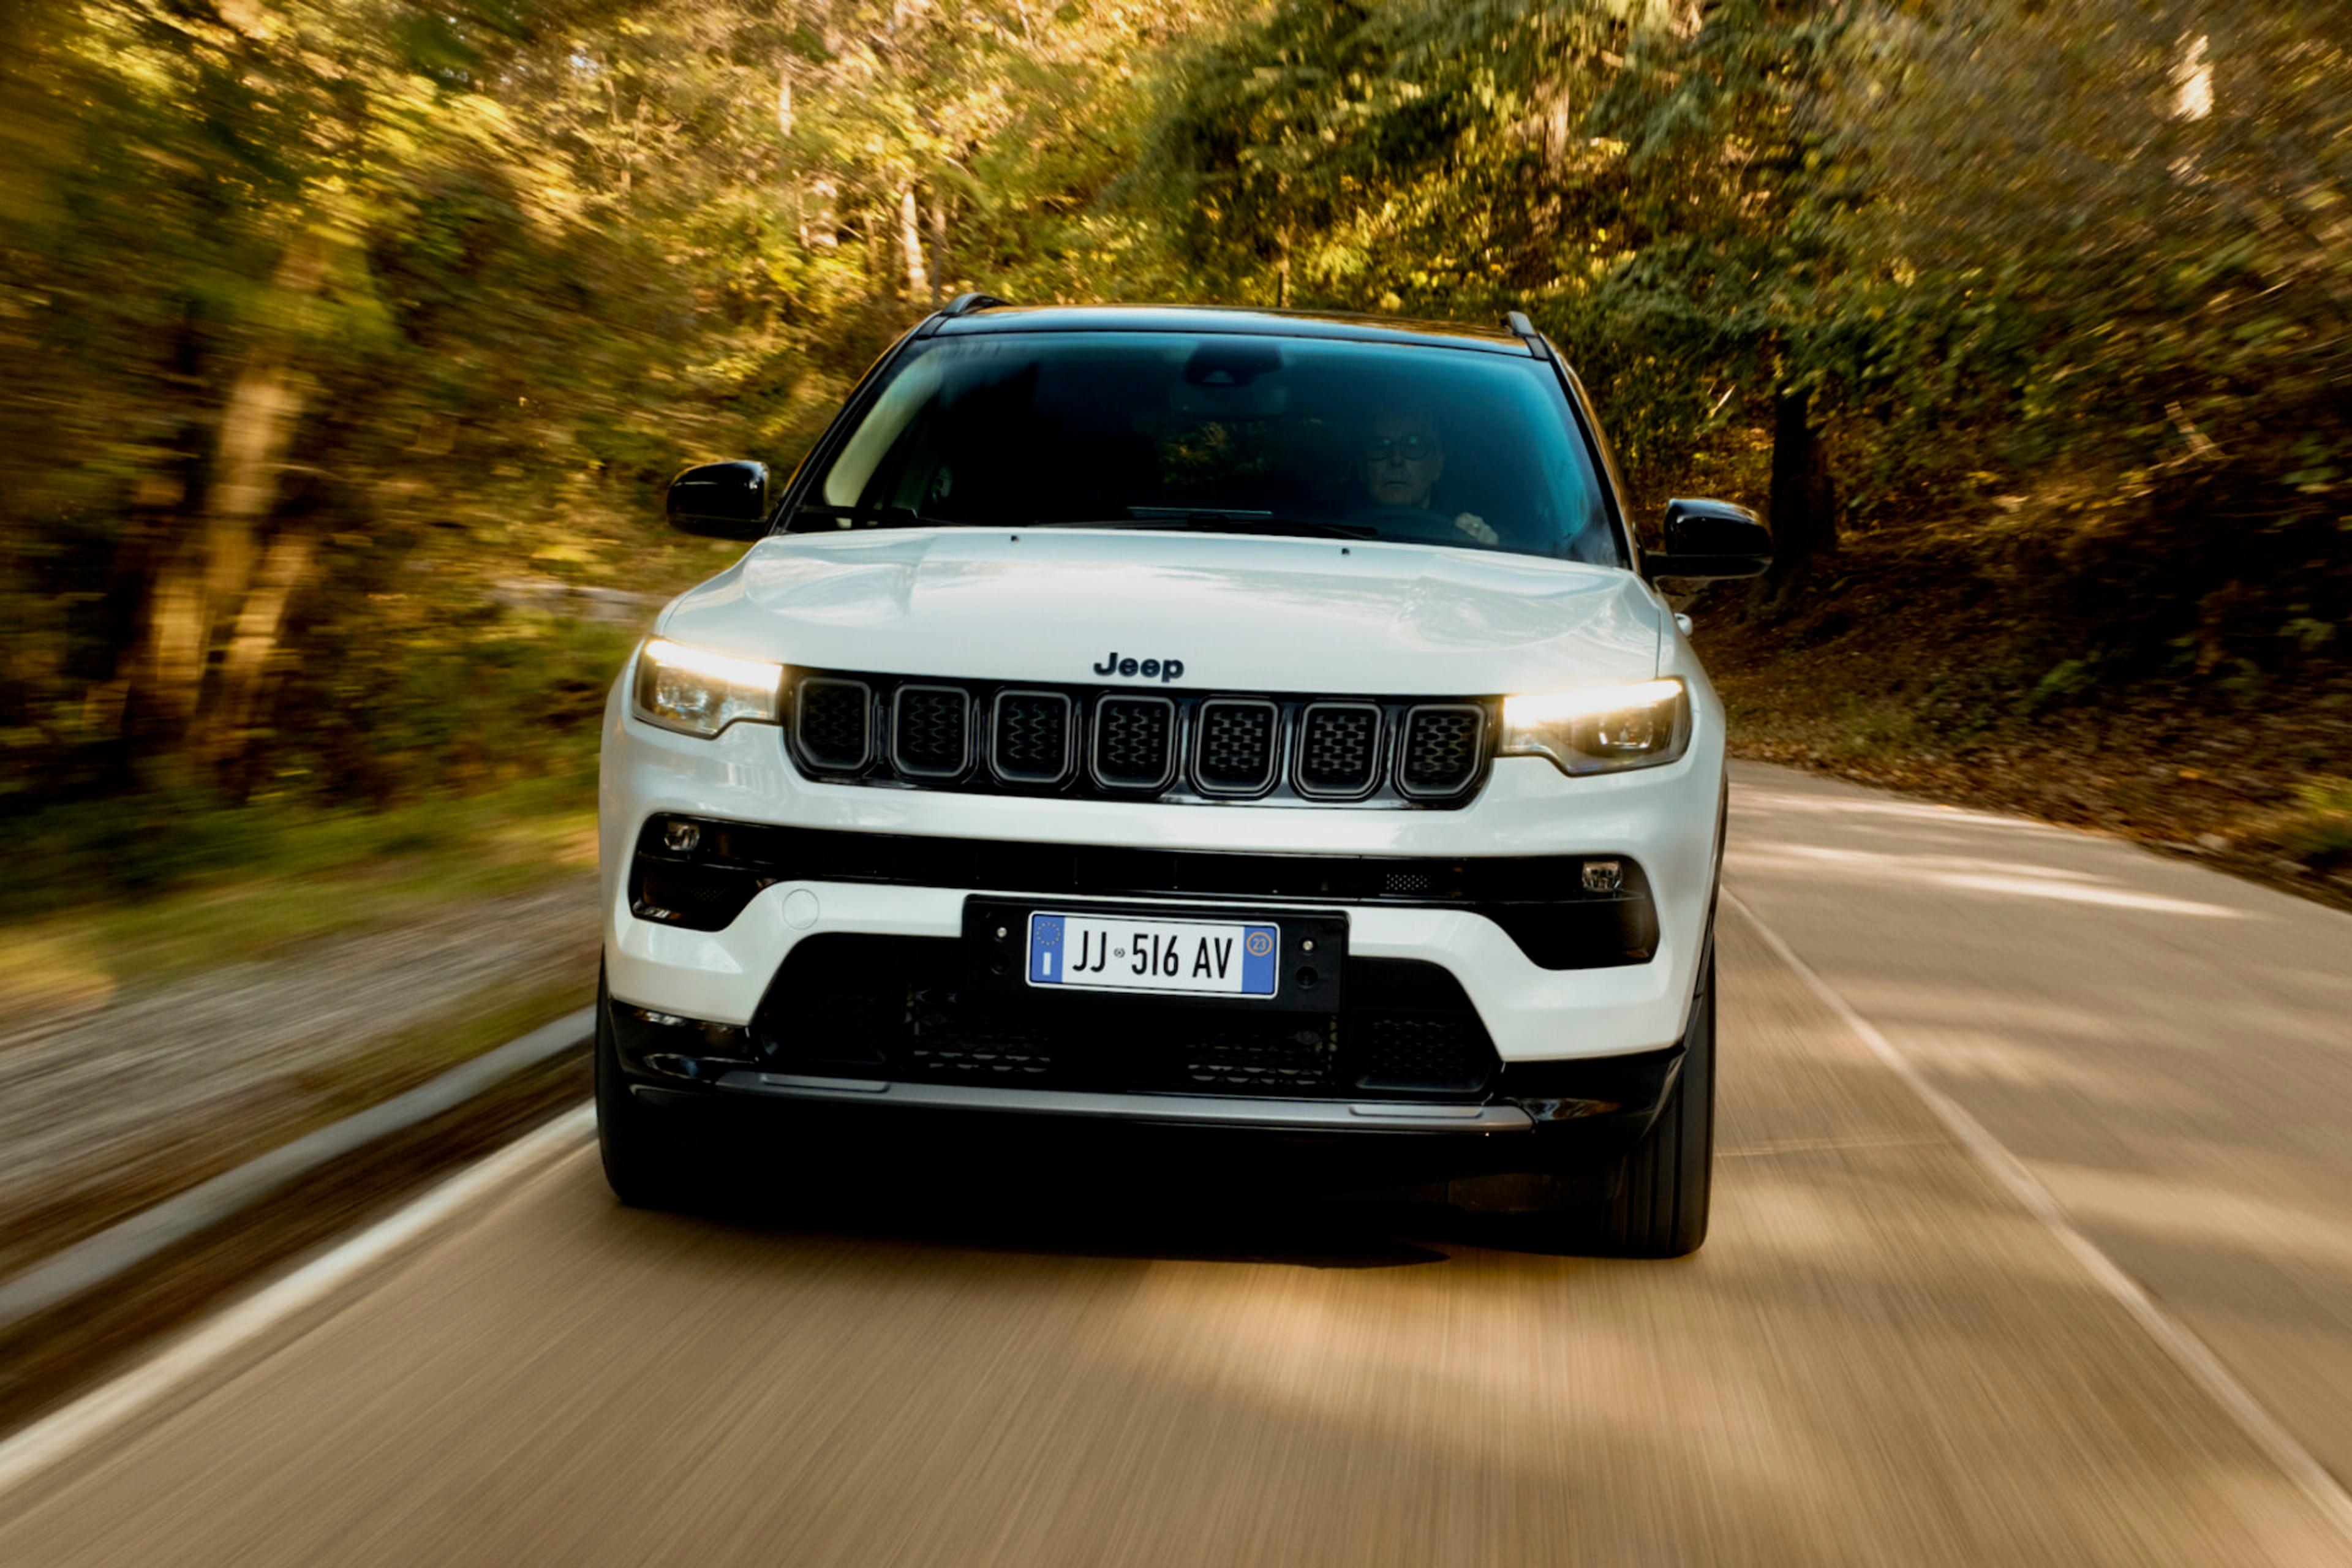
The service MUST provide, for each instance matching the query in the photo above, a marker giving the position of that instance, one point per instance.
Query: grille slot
(832, 720)
(1135, 741)
(1233, 745)
(1339, 749)
(930, 734)
(1031, 740)
(1441, 749)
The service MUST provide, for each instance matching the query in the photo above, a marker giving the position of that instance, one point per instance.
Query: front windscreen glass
(1222, 433)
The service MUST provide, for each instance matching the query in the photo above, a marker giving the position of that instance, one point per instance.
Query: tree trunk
(247, 664)
(820, 226)
(172, 668)
(910, 241)
(939, 216)
(203, 580)
(1804, 504)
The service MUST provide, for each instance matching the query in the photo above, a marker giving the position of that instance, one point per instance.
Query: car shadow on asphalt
(1132, 1220)
(1078, 1193)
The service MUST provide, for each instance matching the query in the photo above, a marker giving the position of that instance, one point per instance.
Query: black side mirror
(722, 500)
(1710, 539)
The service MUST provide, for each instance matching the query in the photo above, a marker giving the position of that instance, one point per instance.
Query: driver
(1402, 460)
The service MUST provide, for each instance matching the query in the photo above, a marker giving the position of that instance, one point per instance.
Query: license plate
(1215, 958)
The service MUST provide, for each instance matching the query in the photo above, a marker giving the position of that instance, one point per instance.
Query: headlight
(699, 692)
(1600, 729)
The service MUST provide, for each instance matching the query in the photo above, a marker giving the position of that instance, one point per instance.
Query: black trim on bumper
(1542, 901)
(1598, 1106)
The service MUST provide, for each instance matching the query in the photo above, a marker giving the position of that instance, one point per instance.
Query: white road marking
(497, 1175)
(2188, 1351)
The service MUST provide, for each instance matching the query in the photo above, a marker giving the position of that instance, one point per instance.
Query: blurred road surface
(1885, 1354)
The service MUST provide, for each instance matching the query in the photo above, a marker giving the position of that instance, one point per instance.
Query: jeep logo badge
(1161, 670)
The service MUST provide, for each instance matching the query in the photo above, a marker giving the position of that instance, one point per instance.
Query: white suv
(1210, 719)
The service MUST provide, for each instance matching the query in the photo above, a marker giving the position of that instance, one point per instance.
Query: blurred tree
(290, 287)
(322, 319)
(1641, 177)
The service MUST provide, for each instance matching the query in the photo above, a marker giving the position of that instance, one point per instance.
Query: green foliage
(322, 322)
(2320, 829)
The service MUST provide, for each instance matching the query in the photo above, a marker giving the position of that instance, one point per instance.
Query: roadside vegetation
(220, 885)
(345, 346)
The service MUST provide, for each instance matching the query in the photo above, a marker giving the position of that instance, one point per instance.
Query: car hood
(1239, 613)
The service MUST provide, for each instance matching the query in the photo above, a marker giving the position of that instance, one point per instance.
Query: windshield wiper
(872, 516)
(1217, 519)
(1175, 519)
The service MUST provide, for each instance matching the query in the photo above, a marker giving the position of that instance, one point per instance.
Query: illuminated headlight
(699, 692)
(1600, 729)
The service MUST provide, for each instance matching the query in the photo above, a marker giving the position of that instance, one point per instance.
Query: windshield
(1225, 433)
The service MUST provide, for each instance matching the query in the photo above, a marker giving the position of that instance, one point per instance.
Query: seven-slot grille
(1123, 744)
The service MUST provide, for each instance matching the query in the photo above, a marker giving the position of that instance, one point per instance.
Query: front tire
(1659, 1207)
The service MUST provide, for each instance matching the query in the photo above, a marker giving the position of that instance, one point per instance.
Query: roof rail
(1525, 330)
(964, 304)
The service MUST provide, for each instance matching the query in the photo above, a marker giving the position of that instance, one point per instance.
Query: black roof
(1227, 319)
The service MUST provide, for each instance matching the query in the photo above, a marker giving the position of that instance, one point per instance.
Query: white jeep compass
(1257, 723)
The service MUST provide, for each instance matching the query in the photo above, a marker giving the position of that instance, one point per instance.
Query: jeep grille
(1087, 741)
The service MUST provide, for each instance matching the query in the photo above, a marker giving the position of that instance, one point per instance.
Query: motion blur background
(346, 345)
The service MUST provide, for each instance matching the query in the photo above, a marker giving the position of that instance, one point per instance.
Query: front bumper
(1667, 820)
(1544, 1132)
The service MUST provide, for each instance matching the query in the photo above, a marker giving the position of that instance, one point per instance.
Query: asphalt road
(2032, 1244)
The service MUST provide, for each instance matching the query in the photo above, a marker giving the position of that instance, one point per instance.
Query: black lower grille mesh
(1441, 749)
(1032, 739)
(1236, 745)
(1338, 747)
(1428, 1050)
(931, 724)
(1133, 741)
(1303, 1056)
(902, 1009)
(835, 723)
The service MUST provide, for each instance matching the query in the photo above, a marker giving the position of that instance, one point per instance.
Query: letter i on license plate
(1221, 958)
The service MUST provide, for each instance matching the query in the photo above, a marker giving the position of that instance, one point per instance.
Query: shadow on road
(1126, 1216)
